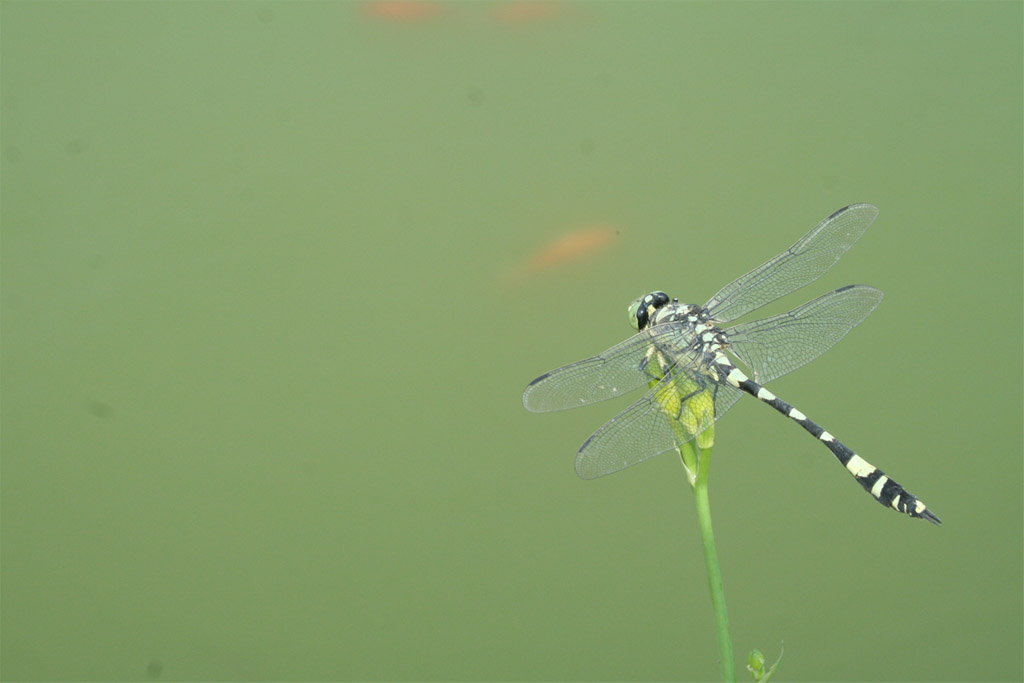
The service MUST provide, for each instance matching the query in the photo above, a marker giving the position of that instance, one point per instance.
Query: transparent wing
(803, 263)
(617, 371)
(778, 345)
(677, 409)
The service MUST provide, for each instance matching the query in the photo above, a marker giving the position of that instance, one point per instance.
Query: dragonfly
(685, 356)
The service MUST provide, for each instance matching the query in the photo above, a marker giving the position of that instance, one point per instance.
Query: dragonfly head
(642, 309)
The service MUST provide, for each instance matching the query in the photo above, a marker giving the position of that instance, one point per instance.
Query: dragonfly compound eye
(641, 309)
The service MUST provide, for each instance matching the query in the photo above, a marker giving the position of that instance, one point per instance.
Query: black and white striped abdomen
(875, 481)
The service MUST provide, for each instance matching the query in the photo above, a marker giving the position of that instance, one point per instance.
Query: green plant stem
(700, 496)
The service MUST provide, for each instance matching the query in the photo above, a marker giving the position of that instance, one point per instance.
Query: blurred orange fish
(402, 10)
(570, 248)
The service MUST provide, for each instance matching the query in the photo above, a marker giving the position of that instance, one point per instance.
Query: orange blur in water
(565, 250)
(571, 247)
(402, 10)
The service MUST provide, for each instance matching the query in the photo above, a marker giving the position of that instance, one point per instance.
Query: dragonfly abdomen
(885, 490)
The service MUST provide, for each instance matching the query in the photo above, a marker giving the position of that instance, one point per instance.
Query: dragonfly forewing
(801, 264)
(621, 369)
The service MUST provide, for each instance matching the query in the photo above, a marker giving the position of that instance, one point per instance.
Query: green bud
(755, 664)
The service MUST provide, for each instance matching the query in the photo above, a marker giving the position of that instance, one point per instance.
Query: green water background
(261, 372)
